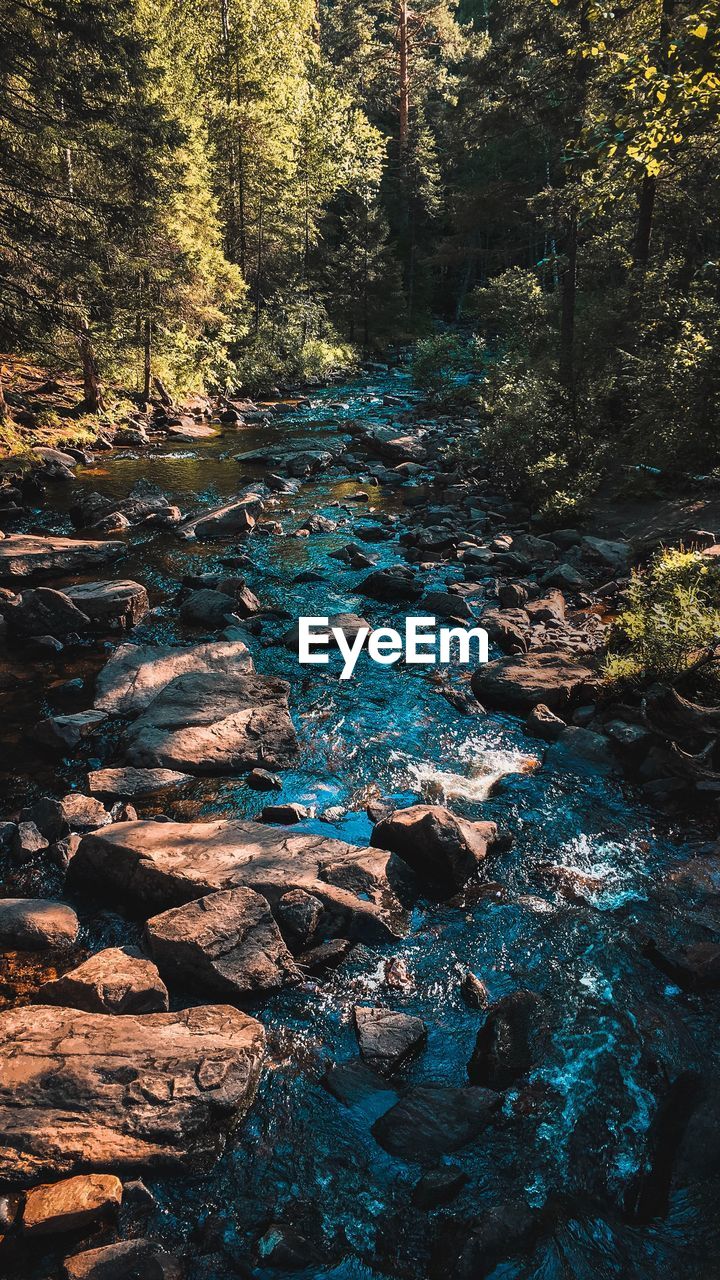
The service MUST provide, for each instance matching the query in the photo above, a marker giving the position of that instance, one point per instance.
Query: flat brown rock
(115, 980)
(36, 924)
(72, 1203)
(156, 865)
(212, 722)
(521, 682)
(23, 554)
(135, 782)
(135, 674)
(127, 1260)
(225, 943)
(86, 1091)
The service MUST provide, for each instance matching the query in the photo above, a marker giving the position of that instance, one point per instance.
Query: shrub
(440, 361)
(671, 614)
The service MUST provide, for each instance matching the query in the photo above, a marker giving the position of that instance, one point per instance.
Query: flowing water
(573, 1134)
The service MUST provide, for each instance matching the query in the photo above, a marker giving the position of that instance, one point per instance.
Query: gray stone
(135, 674)
(113, 605)
(209, 722)
(387, 1039)
(225, 943)
(23, 554)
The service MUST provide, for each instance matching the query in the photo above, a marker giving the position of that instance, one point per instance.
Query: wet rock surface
(82, 1090)
(572, 1148)
(225, 943)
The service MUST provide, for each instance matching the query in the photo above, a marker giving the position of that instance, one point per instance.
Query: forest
(226, 195)
(359, 639)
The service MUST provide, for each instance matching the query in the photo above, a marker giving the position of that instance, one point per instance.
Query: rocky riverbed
(404, 976)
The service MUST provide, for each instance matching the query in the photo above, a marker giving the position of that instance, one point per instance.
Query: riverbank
(360, 847)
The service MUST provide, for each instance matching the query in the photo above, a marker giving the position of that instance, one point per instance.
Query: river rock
(207, 608)
(126, 1260)
(84, 813)
(129, 783)
(509, 1042)
(112, 605)
(520, 682)
(226, 943)
(66, 732)
(544, 724)
(391, 585)
(116, 980)
(440, 847)
(36, 924)
(29, 840)
(88, 1091)
(231, 519)
(299, 914)
(157, 865)
(210, 722)
(42, 611)
(614, 555)
(432, 1121)
(23, 554)
(472, 1250)
(387, 1039)
(73, 1203)
(348, 623)
(439, 1186)
(135, 674)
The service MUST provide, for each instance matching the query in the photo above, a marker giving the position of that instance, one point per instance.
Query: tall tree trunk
(404, 77)
(3, 401)
(648, 191)
(147, 339)
(258, 265)
(92, 387)
(567, 316)
(644, 226)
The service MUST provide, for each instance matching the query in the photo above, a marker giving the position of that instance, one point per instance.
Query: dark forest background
(232, 193)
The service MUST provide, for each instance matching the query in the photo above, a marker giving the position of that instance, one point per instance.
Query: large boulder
(35, 924)
(521, 682)
(209, 722)
(432, 1121)
(116, 980)
(226, 943)
(110, 605)
(135, 674)
(86, 1091)
(157, 865)
(41, 611)
(510, 1040)
(440, 847)
(126, 1260)
(23, 554)
(70, 1204)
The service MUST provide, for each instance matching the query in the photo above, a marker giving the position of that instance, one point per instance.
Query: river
(573, 1134)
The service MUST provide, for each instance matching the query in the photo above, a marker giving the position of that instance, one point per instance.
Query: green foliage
(671, 612)
(440, 361)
